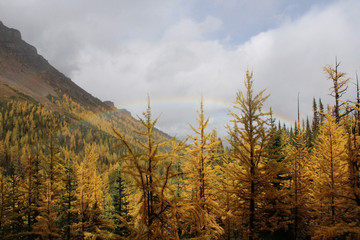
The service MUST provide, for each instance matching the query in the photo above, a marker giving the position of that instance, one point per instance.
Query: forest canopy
(65, 178)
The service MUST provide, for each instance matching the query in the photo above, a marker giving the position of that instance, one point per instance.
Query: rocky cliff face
(12, 43)
(23, 69)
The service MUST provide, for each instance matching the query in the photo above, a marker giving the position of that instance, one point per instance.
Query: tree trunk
(252, 204)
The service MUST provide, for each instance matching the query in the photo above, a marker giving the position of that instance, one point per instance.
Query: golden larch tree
(253, 170)
(152, 171)
(330, 178)
(200, 177)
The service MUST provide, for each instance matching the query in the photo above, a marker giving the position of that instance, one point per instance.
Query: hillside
(22, 68)
(60, 151)
(27, 76)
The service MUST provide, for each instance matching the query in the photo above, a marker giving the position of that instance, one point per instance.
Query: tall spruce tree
(121, 205)
(316, 118)
(67, 202)
(321, 111)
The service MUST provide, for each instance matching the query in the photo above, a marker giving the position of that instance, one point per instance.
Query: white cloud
(62, 29)
(295, 53)
(183, 65)
(187, 29)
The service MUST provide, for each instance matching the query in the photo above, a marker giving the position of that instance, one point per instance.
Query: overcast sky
(180, 50)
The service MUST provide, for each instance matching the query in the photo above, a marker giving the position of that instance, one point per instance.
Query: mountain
(62, 170)
(22, 68)
(27, 76)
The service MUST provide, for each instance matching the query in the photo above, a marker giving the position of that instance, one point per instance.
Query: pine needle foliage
(90, 194)
(339, 87)
(152, 172)
(331, 172)
(253, 169)
(200, 177)
(300, 184)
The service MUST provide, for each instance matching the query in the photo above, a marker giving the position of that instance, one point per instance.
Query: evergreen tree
(309, 134)
(357, 107)
(322, 113)
(316, 118)
(90, 203)
(68, 209)
(121, 207)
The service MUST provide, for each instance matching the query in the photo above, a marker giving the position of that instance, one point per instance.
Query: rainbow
(177, 101)
(218, 106)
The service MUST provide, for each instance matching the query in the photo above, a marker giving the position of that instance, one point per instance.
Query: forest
(97, 180)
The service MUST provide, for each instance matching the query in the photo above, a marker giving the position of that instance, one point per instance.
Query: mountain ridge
(27, 76)
(22, 67)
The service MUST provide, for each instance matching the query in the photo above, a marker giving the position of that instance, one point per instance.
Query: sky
(179, 51)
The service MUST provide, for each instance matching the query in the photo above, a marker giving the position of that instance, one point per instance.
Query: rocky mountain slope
(22, 68)
(27, 76)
